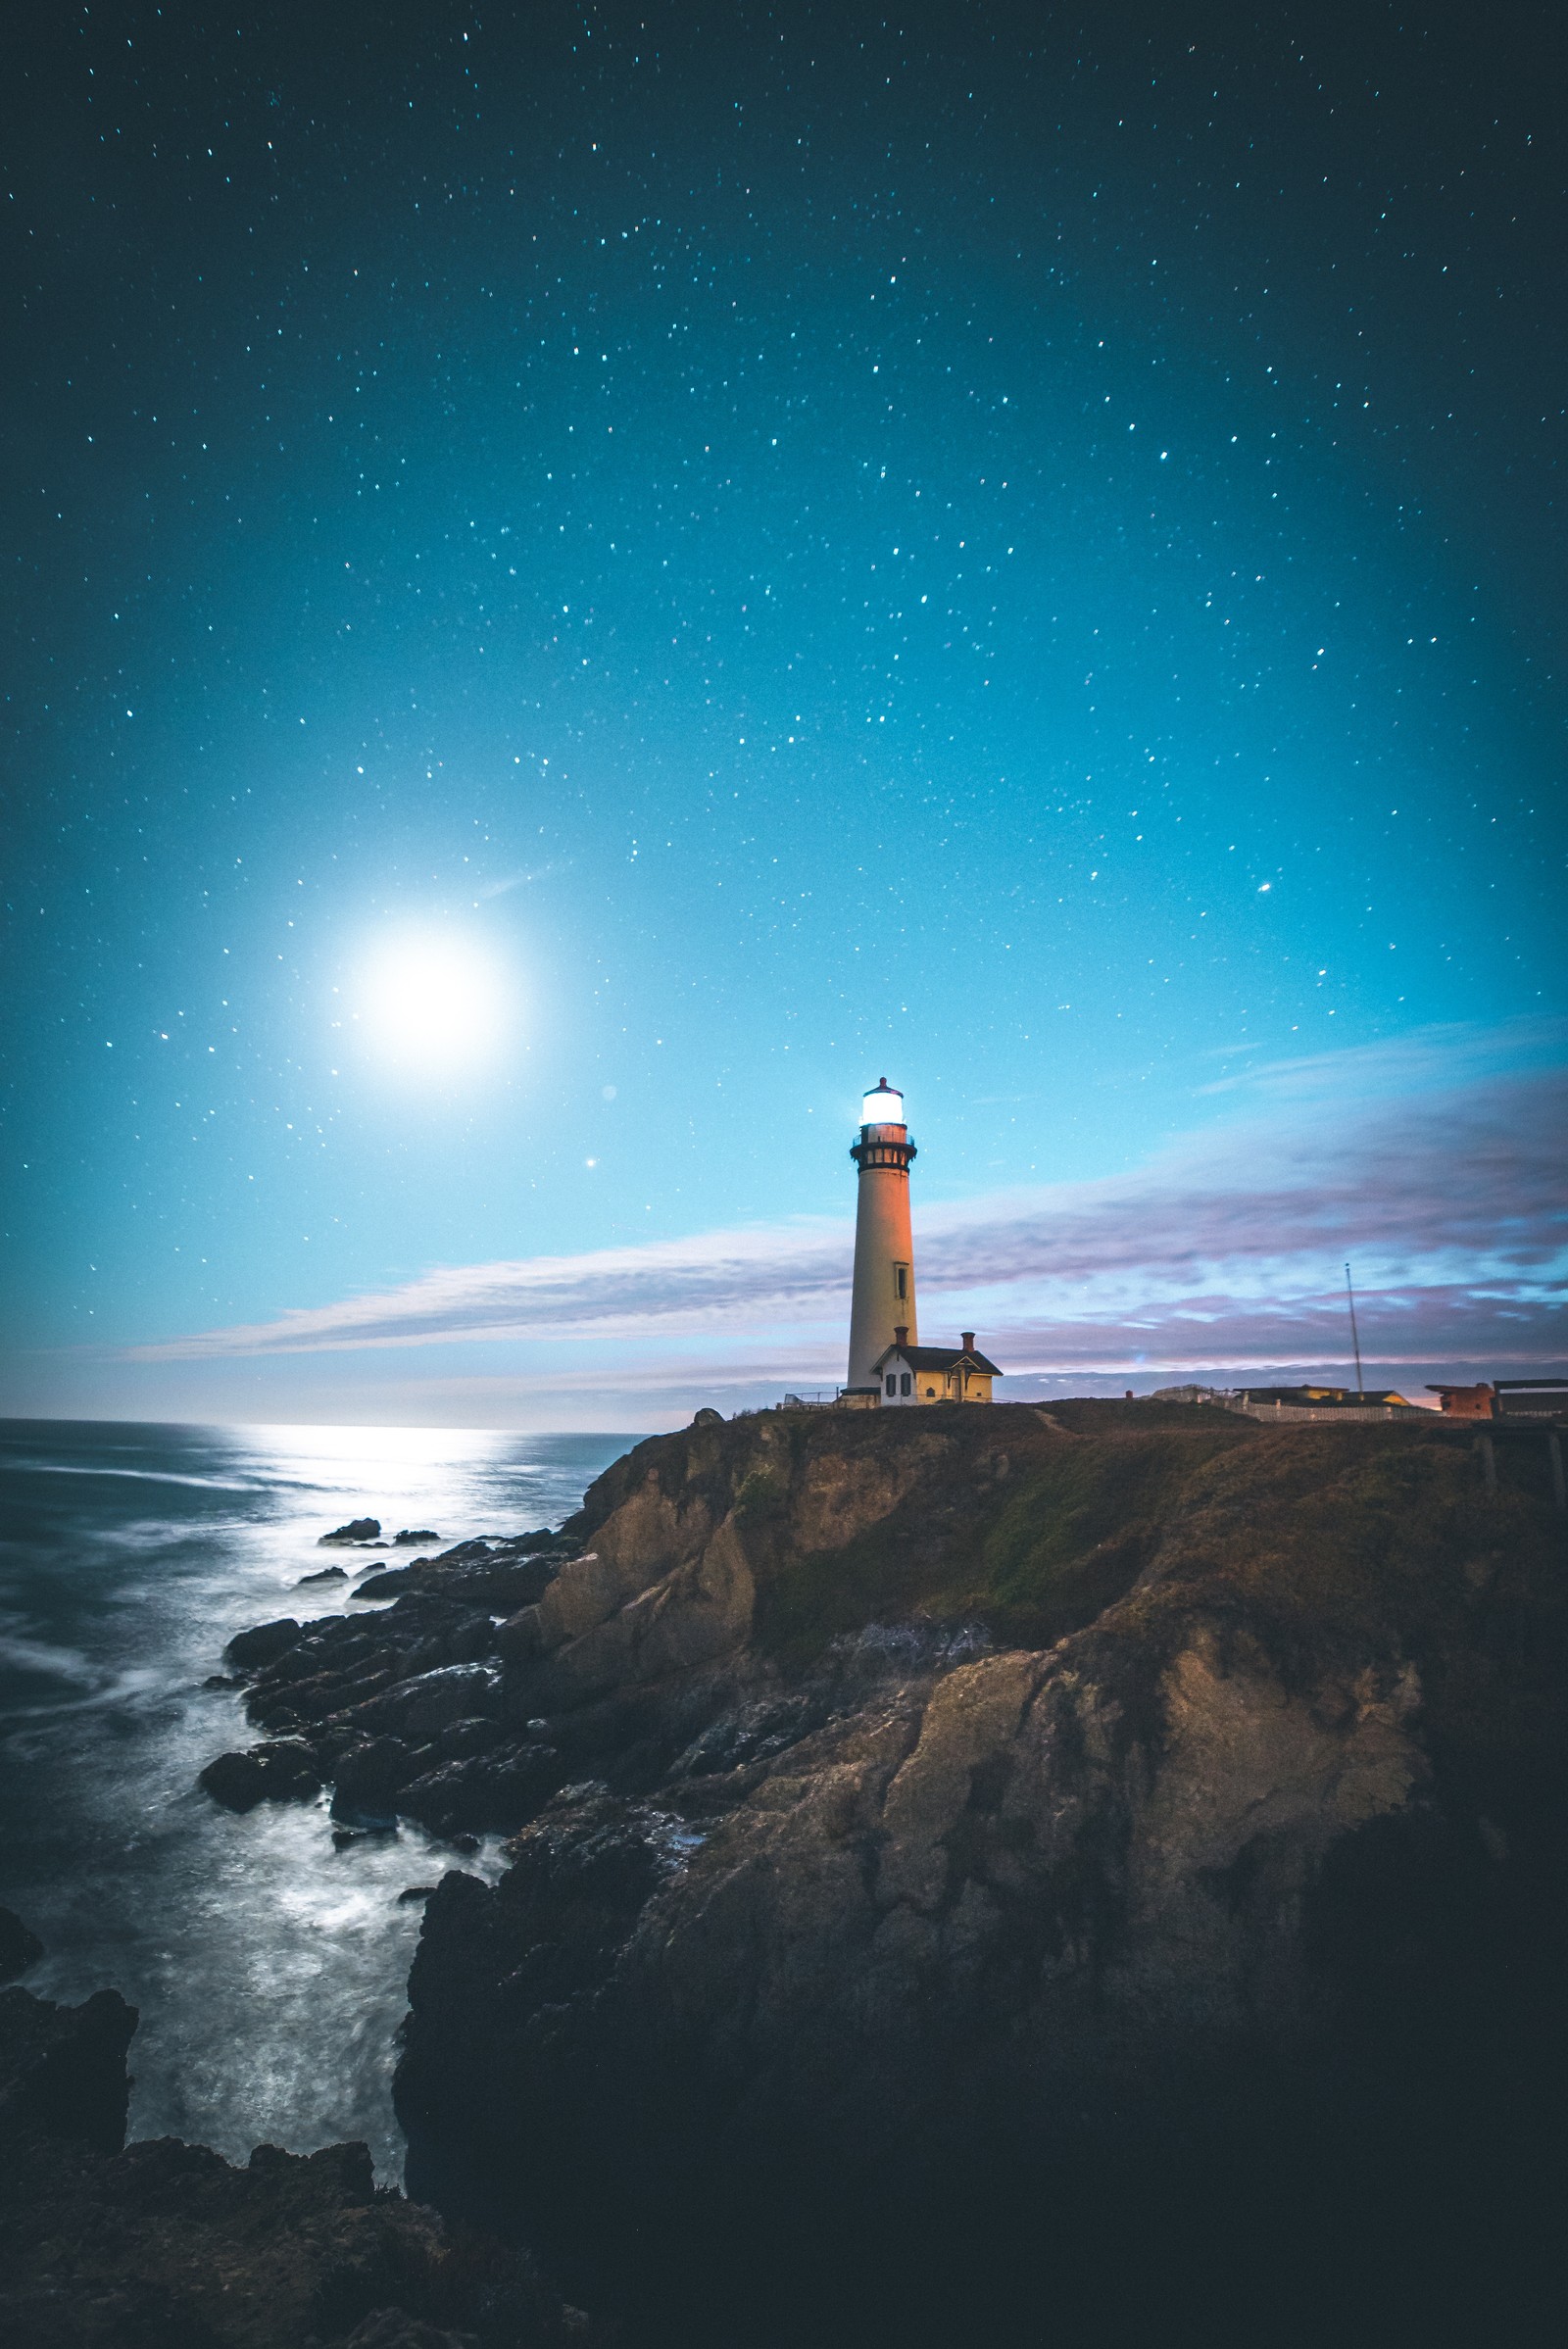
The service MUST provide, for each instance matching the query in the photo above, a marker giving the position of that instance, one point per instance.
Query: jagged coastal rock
(104, 2245)
(955, 1816)
(400, 1709)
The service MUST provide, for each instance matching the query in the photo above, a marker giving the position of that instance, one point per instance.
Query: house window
(893, 1384)
(930, 1395)
(905, 1382)
(901, 1283)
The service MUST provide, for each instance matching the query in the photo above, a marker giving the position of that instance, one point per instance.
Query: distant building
(1326, 1399)
(1533, 1398)
(932, 1374)
(1466, 1403)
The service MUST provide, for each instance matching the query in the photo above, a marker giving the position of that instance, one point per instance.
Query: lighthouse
(884, 1248)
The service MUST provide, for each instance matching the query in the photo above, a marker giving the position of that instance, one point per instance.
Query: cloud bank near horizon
(1226, 1248)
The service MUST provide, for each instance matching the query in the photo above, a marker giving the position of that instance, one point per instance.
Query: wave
(35, 1656)
(146, 1476)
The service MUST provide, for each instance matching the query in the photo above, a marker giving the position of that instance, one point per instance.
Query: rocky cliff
(958, 1846)
(961, 1809)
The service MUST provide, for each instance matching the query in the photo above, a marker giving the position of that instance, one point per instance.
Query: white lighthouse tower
(884, 1247)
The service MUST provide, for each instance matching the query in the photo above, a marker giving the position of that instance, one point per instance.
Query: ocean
(268, 1969)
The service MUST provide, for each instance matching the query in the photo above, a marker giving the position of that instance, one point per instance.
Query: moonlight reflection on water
(269, 1968)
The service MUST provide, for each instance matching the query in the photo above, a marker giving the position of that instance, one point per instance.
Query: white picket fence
(1335, 1414)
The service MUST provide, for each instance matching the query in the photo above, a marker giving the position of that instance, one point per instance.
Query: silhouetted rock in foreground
(63, 2069)
(164, 2245)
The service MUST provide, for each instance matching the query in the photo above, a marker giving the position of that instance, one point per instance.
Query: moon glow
(429, 1002)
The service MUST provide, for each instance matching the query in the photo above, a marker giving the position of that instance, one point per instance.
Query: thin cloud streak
(1451, 1203)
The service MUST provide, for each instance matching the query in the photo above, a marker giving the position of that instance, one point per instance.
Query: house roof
(1326, 1399)
(936, 1357)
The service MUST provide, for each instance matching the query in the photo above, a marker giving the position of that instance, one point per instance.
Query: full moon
(431, 1003)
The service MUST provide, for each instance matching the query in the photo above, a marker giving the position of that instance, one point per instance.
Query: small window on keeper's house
(893, 1383)
(906, 1383)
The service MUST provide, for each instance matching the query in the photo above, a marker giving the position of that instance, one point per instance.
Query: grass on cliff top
(1360, 1542)
(1033, 1556)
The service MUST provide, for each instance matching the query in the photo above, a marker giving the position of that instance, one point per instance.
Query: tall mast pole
(1355, 1339)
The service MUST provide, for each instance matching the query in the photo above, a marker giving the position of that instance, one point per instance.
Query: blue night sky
(581, 582)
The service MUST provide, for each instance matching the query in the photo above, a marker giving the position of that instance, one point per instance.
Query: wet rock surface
(405, 1708)
(164, 2245)
(280, 1770)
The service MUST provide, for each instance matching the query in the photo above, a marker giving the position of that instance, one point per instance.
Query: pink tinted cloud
(1451, 1203)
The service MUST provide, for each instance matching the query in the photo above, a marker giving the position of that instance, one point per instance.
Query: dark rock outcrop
(486, 1575)
(250, 1650)
(63, 2069)
(357, 1528)
(164, 2245)
(403, 1711)
(280, 1770)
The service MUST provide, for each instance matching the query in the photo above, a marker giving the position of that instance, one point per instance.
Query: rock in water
(252, 1650)
(327, 1574)
(359, 1529)
(413, 1534)
(20, 1948)
(280, 1770)
(367, 1778)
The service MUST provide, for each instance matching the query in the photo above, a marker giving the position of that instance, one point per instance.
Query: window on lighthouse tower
(900, 1281)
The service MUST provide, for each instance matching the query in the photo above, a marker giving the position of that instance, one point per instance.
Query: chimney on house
(900, 1334)
(969, 1341)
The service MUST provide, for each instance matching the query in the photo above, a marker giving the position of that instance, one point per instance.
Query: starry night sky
(994, 544)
